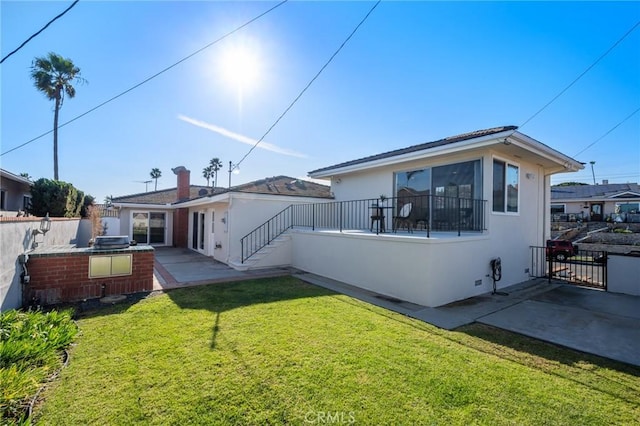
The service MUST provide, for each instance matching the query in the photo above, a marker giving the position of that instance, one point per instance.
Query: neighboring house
(15, 193)
(618, 202)
(210, 221)
(474, 197)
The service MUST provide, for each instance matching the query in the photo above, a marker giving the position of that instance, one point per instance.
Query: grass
(30, 345)
(278, 351)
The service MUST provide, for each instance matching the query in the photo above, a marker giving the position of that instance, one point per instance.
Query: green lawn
(279, 351)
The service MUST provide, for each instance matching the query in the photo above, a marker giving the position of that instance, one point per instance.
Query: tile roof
(285, 185)
(420, 147)
(164, 196)
(277, 185)
(583, 192)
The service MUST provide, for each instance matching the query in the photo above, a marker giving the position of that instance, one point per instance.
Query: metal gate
(586, 268)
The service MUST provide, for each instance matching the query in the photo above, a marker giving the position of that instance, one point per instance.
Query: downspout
(228, 225)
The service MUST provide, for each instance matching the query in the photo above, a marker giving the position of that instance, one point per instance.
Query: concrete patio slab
(176, 268)
(605, 334)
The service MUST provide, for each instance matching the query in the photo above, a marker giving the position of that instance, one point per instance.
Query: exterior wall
(180, 228)
(248, 211)
(438, 270)
(58, 277)
(608, 209)
(216, 234)
(428, 271)
(113, 226)
(16, 238)
(623, 273)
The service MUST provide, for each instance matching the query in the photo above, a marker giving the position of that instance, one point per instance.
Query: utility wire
(309, 84)
(41, 30)
(583, 73)
(607, 133)
(150, 78)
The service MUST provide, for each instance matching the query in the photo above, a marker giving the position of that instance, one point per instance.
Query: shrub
(30, 345)
(59, 199)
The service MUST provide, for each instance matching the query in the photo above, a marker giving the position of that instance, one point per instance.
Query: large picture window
(444, 197)
(506, 179)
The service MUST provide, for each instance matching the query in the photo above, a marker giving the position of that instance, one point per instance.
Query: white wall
(428, 271)
(16, 237)
(623, 273)
(248, 211)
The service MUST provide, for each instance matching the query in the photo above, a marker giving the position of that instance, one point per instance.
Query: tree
(155, 174)
(207, 173)
(53, 76)
(58, 198)
(215, 165)
(26, 175)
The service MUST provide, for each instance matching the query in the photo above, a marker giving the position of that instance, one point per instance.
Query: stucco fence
(17, 237)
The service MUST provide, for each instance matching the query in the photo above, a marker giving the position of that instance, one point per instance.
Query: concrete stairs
(257, 260)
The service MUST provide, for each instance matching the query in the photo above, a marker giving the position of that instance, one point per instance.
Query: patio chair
(377, 215)
(404, 218)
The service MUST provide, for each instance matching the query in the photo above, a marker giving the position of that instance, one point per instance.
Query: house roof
(164, 196)
(285, 185)
(277, 185)
(585, 192)
(5, 174)
(419, 147)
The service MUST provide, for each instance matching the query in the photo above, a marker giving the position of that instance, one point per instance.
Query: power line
(607, 133)
(309, 84)
(150, 78)
(583, 73)
(41, 30)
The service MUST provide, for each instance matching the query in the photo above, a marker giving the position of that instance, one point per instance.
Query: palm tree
(215, 165)
(155, 174)
(52, 76)
(207, 173)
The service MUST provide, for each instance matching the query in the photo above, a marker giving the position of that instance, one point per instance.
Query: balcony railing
(427, 213)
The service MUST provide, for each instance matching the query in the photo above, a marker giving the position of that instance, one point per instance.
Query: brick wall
(64, 277)
(181, 227)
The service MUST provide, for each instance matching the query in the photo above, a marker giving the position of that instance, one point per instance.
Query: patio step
(254, 261)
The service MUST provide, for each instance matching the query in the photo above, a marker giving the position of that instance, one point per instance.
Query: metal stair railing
(264, 234)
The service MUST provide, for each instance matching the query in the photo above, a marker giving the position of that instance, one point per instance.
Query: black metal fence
(424, 213)
(586, 268)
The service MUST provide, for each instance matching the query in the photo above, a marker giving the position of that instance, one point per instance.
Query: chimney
(183, 182)
(605, 181)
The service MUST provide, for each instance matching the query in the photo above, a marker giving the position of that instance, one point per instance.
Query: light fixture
(45, 226)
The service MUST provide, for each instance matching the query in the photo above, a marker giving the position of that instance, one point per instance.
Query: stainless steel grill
(111, 242)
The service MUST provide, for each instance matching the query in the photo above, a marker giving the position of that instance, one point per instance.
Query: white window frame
(504, 210)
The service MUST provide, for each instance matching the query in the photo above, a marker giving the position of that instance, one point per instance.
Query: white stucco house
(474, 197)
(15, 193)
(208, 220)
(618, 202)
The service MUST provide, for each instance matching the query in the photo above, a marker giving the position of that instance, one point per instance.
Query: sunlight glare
(241, 67)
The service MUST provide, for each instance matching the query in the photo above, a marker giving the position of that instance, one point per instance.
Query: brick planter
(61, 274)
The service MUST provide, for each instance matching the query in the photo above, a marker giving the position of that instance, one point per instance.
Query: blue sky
(414, 72)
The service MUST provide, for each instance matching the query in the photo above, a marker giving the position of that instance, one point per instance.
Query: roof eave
(564, 162)
(453, 147)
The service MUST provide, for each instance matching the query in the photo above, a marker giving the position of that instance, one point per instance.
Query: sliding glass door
(149, 227)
